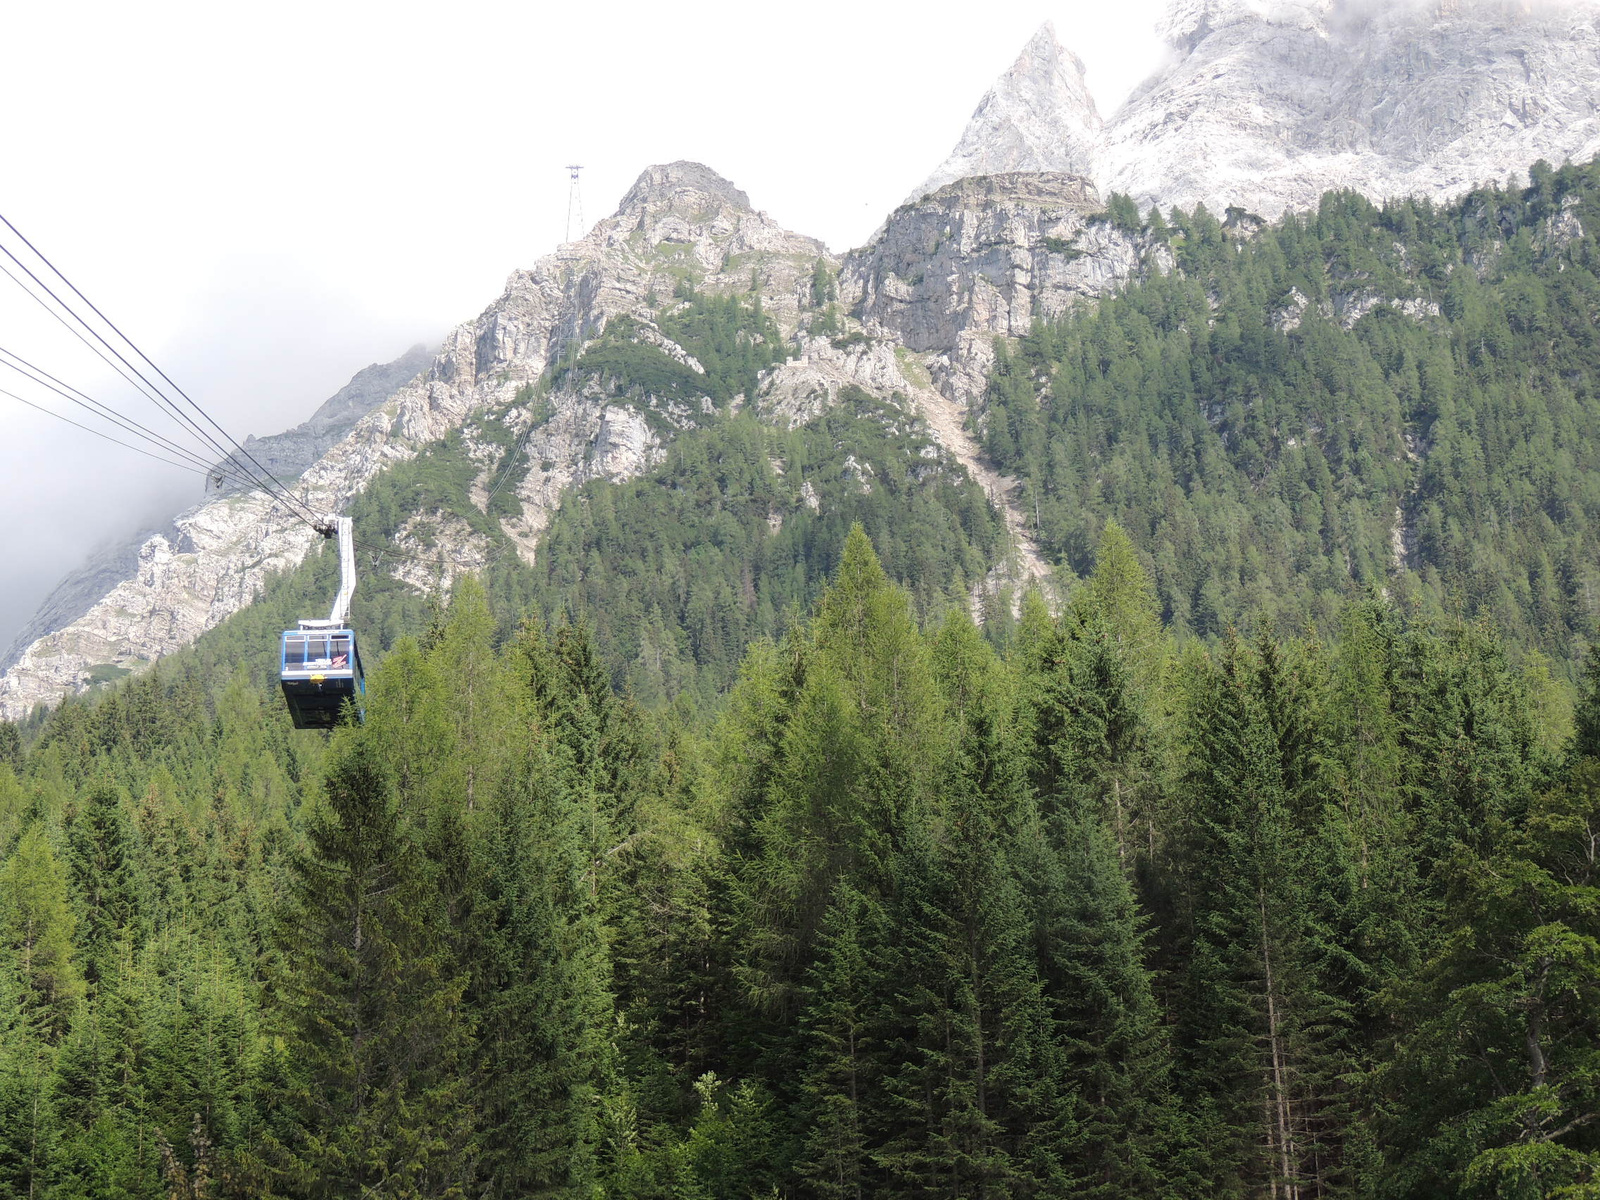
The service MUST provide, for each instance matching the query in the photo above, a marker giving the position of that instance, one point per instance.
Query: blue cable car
(319, 665)
(320, 670)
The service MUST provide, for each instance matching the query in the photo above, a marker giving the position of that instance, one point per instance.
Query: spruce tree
(840, 1096)
(1092, 949)
(99, 851)
(10, 746)
(37, 925)
(1494, 1082)
(1249, 1006)
(370, 1003)
(546, 1053)
(863, 748)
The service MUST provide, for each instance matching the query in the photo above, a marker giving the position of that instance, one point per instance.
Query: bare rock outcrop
(1266, 104)
(986, 257)
(1039, 116)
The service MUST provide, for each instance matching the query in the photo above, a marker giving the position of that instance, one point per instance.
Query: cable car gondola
(319, 663)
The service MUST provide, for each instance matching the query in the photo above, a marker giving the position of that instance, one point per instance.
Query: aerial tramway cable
(133, 345)
(137, 383)
(85, 401)
(230, 467)
(49, 412)
(263, 481)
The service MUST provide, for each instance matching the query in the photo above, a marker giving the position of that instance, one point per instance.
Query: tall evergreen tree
(841, 1086)
(371, 1004)
(37, 925)
(99, 851)
(547, 1005)
(1255, 1018)
(1496, 1078)
(1586, 718)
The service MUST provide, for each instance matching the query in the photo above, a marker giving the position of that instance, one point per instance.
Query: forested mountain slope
(1400, 398)
(1100, 916)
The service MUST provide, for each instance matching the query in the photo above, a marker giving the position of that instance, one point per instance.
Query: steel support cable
(134, 382)
(238, 474)
(50, 412)
(85, 401)
(266, 475)
(142, 385)
(285, 496)
(263, 483)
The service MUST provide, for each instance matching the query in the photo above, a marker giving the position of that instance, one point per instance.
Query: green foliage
(1267, 451)
(1497, 1055)
(731, 538)
(369, 1004)
(1121, 212)
(899, 915)
(730, 337)
(626, 366)
(824, 285)
(36, 928)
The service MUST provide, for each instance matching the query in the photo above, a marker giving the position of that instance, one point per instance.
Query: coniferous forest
(719, 854)
(1095, 913)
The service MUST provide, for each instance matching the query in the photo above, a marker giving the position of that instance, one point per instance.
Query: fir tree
(1246, 1034)
(36, 927)
(546, 1055)
(841, 1024)
(1495, 1079)
(1116, 1055)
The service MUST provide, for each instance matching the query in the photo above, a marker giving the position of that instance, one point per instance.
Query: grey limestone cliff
(986, 257)
(284, 456)
(1266, 104)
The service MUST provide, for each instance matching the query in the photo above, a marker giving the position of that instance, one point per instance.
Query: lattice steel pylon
(574, 206)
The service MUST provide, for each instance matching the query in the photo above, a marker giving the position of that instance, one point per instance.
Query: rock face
(1266, 104)
(1267, 107)
(1039, 116)
(287, 455)
(988, 256)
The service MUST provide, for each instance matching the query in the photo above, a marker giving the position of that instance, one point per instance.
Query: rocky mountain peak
(665, 182)
(1038, 116)
(1267, 104)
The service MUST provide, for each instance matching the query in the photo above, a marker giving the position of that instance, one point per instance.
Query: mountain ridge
(578, 371)
(1266, 105)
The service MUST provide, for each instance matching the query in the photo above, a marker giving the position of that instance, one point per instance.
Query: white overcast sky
(269, 197)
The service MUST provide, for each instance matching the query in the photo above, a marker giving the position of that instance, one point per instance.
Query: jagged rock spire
(1039, 116)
